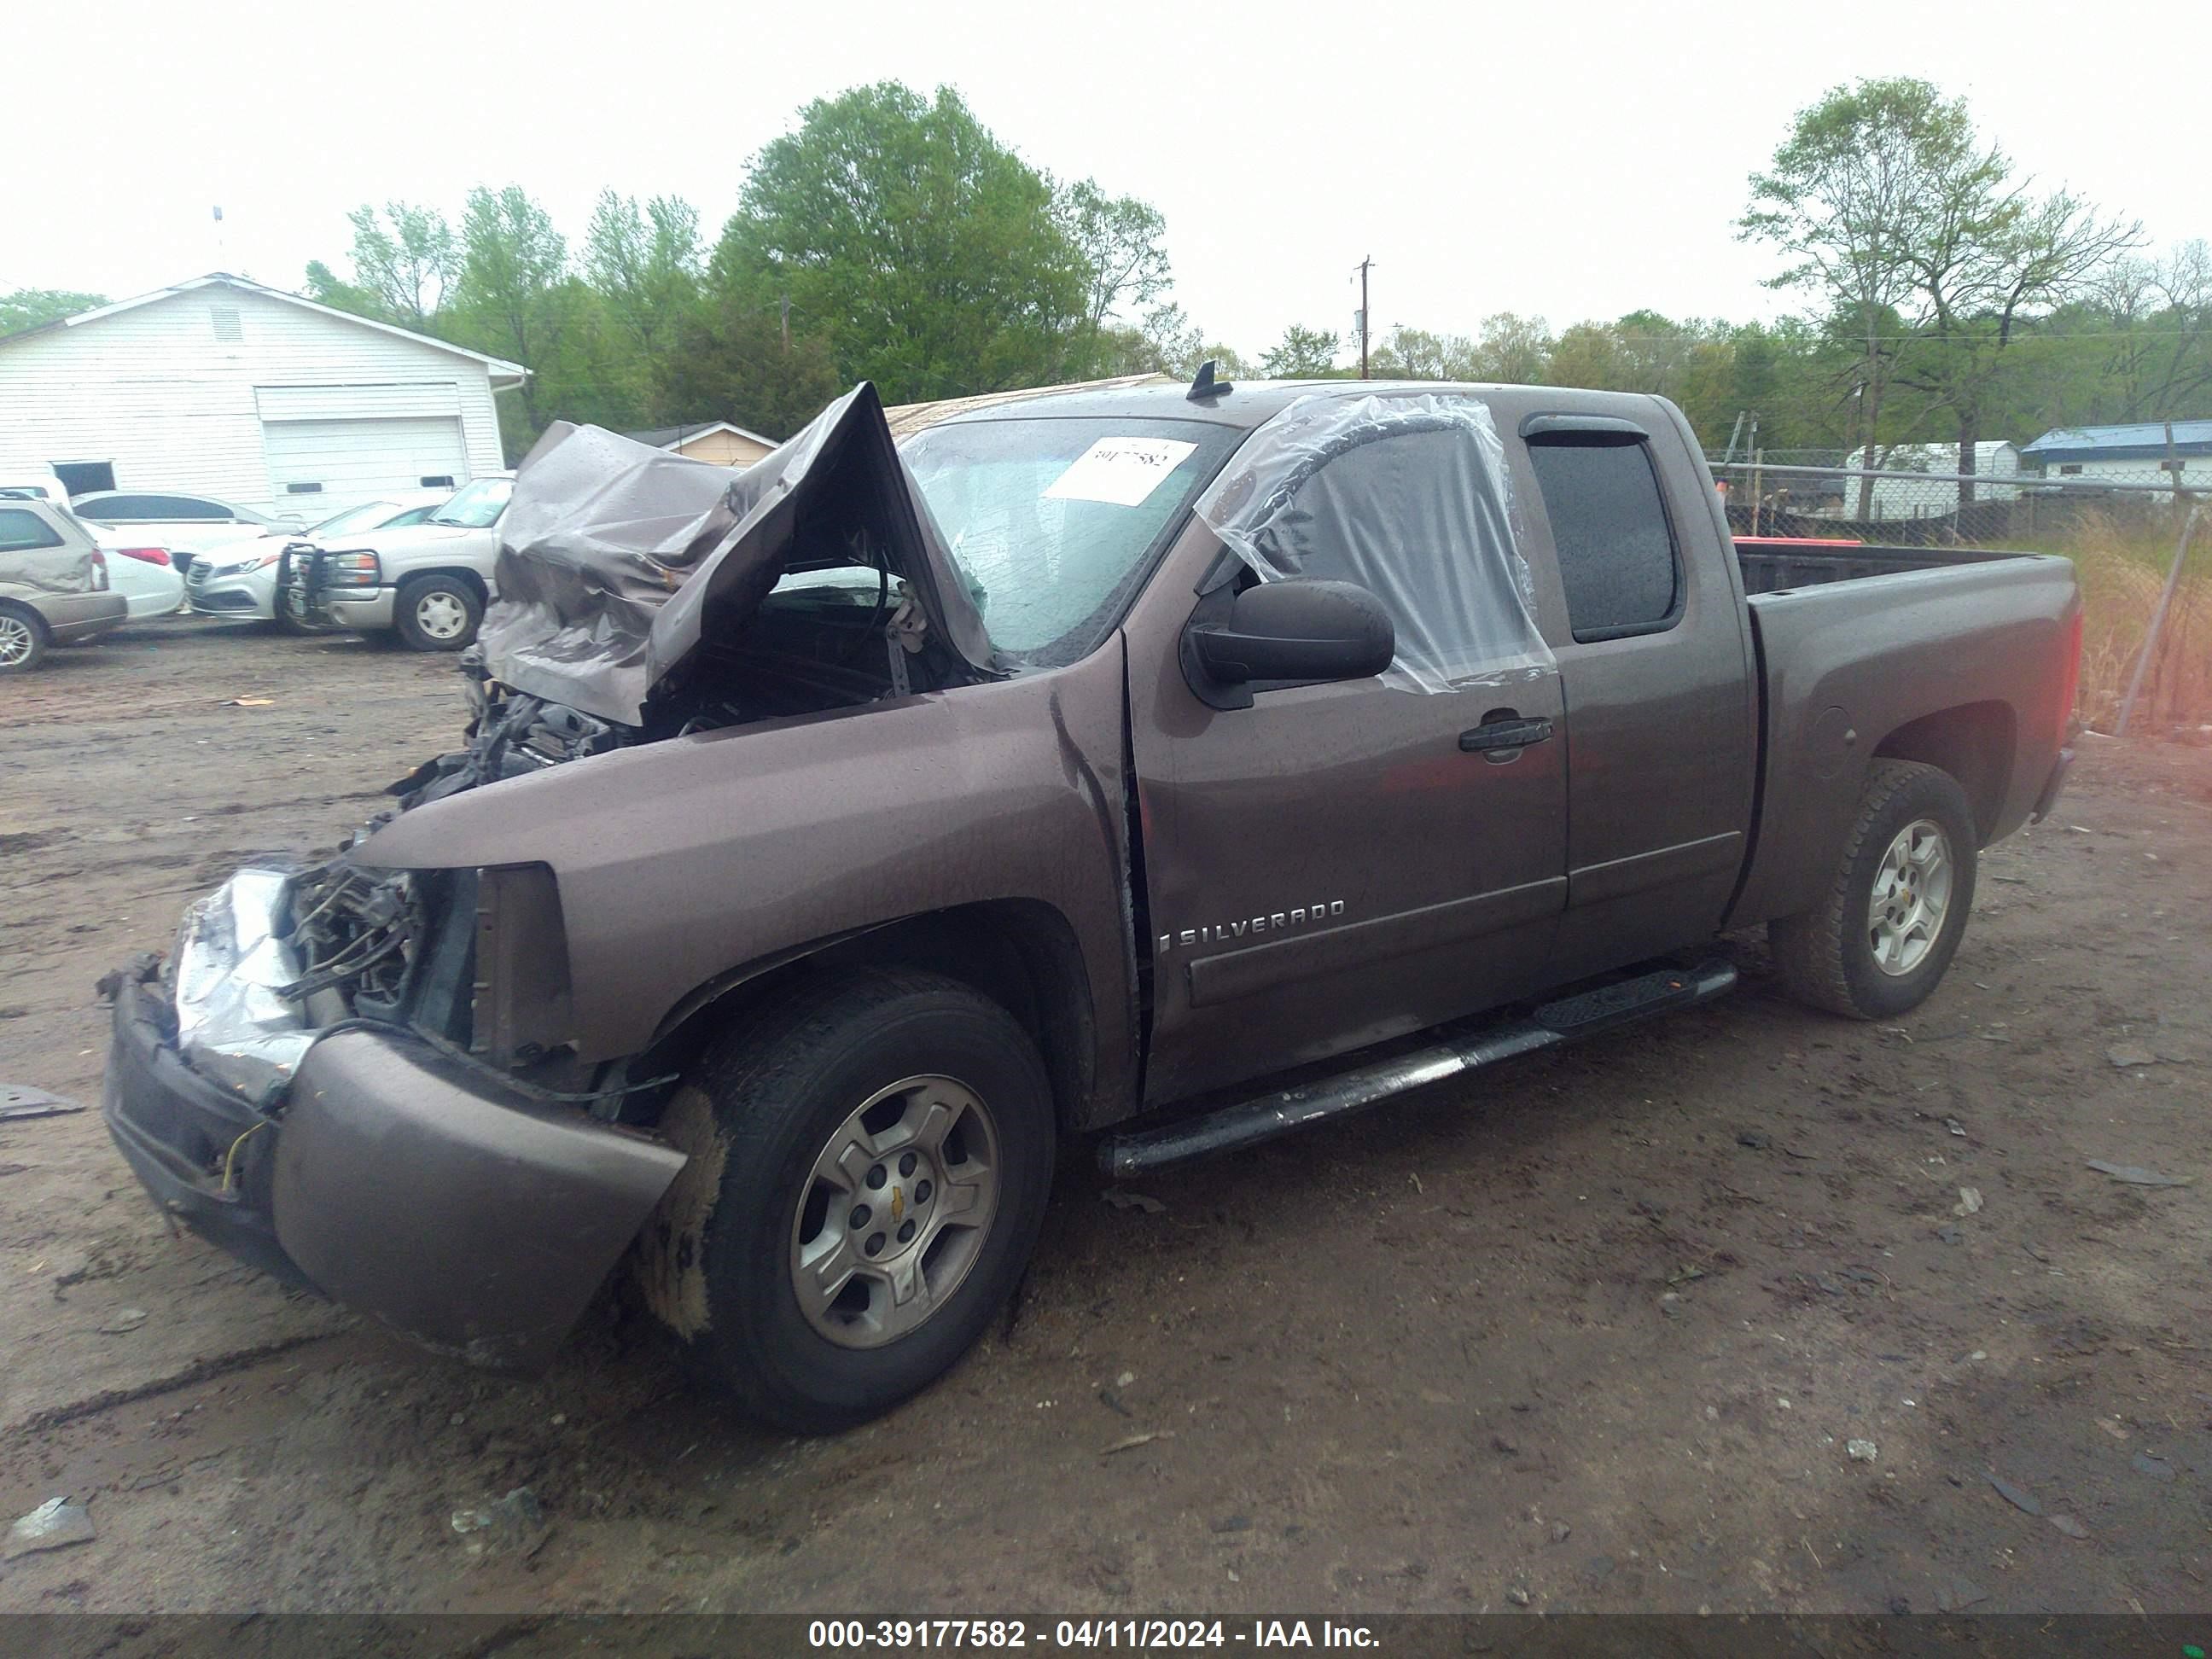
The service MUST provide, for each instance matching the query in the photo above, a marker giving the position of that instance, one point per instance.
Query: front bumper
(388, 1177)
(248, 596)
(365, 609)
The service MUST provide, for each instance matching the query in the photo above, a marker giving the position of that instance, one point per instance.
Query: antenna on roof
(1206, 386)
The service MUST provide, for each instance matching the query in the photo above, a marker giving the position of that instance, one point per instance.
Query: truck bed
(1853, 644)
(1771, 564)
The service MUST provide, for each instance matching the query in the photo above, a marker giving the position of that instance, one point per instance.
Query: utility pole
(1364, 263)
(784, 305)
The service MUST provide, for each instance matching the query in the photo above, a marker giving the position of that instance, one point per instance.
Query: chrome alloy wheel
(17, 640)
(440, 615)
(896, 1211)
(1911, 897)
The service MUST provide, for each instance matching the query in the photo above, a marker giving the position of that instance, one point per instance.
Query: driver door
(1343, 863)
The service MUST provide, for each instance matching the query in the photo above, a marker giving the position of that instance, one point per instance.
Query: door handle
(1493, 735)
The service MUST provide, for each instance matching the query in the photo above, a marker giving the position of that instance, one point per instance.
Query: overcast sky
(1570, 161)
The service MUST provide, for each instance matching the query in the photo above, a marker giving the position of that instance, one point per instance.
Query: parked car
(239, 581)
(145, 576)
(187, 526)
(32, 480)
(828, 845)
(428, 582)
(53, 584)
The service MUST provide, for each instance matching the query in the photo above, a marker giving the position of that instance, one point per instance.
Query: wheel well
(38, 622)
(1973, 742)
(1021, 953)
(459, 573)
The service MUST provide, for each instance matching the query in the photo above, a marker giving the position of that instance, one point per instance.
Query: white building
(2126, 454)
(1914, 498)
(219, 386)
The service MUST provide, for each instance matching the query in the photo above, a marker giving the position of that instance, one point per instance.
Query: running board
(1249, 1122)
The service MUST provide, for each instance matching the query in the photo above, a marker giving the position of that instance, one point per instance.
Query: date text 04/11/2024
(896, 1634)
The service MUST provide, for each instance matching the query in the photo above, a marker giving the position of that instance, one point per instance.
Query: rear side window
(1616, 549)
(20, 530)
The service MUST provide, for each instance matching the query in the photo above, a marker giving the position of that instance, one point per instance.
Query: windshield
(1052, 523)
(478, 506)
(369, 515)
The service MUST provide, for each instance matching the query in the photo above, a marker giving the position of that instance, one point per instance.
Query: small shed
(2135, 454)
(723, 442)
(1914, 498)
(224, 386)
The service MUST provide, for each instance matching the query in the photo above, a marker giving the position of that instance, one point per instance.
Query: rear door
(1641, 611)
(1342, 863)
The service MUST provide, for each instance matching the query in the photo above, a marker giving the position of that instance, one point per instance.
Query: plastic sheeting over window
(1407, 497)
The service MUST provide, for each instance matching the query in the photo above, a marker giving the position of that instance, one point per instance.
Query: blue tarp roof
(2144, 439)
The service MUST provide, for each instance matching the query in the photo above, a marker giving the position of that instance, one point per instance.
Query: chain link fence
(2122, 524)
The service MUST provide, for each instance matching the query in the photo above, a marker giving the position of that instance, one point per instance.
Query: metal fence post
(2157, 622)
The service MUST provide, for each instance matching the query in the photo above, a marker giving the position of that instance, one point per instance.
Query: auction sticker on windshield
(1120, 472)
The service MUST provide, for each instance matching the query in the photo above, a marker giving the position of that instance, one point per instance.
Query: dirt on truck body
(834, 839)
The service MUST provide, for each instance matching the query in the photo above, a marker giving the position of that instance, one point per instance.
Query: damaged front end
(348, 1076)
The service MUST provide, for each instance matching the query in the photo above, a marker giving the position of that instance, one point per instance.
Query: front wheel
(870, 1162)
(1879, 944)
(437, 613)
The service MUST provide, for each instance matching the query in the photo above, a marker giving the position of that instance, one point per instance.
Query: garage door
(314, 464)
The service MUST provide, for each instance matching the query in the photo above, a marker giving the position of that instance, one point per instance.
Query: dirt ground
(1598, 1329)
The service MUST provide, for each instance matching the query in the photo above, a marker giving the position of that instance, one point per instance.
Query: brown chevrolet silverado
(1161, 767)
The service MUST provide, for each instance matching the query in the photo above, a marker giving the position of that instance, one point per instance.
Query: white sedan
(239, 581)
(144, 576)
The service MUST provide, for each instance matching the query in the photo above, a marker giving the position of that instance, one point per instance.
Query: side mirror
(1296, 630)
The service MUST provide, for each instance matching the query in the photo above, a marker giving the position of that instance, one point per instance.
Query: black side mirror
(1296, 629)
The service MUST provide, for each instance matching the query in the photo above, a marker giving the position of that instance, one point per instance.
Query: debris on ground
(55, 1524)
(1959, 1596)
(125, 1319)
(1561, 1531)
(1970, 1201)
(1137, 1440)
(2069, 1525)
(2024, 1502)
(2135, 1175)
(1233, 1524)
(1861, 1451)
(20, 1100)
(513, 1518)
(1122, 1198)
(248, 702)
(1517, 1596)
(2128, 1054)
(1754, 1140)
(2156, 1468)
(1949, 1236)
(1955, 1126)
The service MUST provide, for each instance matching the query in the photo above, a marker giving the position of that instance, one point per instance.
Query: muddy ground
(1597, 1329)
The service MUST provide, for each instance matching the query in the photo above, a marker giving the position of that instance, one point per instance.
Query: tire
(23, 638)
(1850, 958)
(437, 613)
(752, 1214)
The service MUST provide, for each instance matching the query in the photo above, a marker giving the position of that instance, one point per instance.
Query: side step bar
(1247, 1122)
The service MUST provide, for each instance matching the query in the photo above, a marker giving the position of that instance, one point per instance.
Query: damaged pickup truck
(1169, 768)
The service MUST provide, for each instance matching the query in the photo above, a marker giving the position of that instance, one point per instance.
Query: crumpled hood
(616, 559)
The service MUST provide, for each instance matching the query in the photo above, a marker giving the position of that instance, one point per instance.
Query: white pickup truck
(428, 582)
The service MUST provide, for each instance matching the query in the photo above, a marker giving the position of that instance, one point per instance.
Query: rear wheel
(437, 613)
(870, 1162)
(1880, 942)
(22, 639)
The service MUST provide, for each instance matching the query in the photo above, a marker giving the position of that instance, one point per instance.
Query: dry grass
(2121, 575)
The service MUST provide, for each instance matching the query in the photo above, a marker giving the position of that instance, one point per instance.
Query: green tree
(1842, 201)
(730, 363)
(1303, 354)
(405, 260)
(1415, 354)
(1512, 350)
(514, 299)
(28, 307)
(925, 251)
(1119, 240)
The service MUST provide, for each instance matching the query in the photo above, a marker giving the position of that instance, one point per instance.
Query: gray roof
(2145, 441)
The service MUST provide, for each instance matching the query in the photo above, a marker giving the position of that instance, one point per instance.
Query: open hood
(617, 561)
